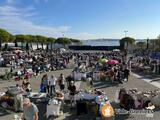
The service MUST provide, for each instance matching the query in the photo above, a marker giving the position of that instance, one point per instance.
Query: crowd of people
(38, 61)
(88, 66)
(145, 61)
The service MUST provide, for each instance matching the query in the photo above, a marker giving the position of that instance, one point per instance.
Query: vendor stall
(53, 107)
(7, 99)
(89, 101)
(134, 99)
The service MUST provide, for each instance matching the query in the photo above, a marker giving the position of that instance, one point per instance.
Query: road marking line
(156, 84)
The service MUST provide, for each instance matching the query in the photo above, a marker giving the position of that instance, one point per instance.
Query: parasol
(112, 62)
(103, 60)
(116, 50)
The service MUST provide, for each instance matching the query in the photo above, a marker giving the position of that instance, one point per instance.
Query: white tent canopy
(116, 50)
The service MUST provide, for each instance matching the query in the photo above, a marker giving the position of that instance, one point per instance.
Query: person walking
(30, 111)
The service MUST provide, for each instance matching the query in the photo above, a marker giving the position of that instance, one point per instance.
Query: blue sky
(82, 19)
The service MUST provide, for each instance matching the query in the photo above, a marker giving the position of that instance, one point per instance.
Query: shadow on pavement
(103, 84)
(3, 112)
(146, 76)
(71, 114)
(155, 80)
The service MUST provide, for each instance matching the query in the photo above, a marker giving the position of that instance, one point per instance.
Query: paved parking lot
(108, 88)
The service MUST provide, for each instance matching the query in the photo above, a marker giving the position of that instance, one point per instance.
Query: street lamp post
(147, 43)
(125, 33)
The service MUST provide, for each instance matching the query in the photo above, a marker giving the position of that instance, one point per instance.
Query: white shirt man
(52, 84)
(53, 80)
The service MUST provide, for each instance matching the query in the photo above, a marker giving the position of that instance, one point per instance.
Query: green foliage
(127, 41)
(41, 39)
(63, 41)
(12, 38)
(75, 41)
(5, 36)
(141, 44)
(21, 38)
(155, 44)
(51, 40)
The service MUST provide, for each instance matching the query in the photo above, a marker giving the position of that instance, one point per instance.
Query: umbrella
(112, 62)
(116, 50)
(63, 50)
(103, 60)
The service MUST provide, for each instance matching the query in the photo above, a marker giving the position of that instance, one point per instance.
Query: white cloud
(18, 25)
(14, 20)
(8, 10)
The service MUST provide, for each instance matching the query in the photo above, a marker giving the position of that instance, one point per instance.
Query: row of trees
(6, 37)
(152, 44)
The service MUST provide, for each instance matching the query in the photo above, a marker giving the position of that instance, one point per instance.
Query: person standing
(69, 79)
(61, 81)
(126, 74)
(45, 83)
(18, 98)
(52, 84)
(30, 111)
(72, 92)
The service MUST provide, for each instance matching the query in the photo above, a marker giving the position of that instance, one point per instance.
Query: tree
(63, 41)
(126, 41)
(141, 45)
(155, 44)
(33, 39)
(51, 41)
(75, 41)
(27, 41)
(21, 38)
(152, 44)
(11, 39)
(4, 37)
(41, 39)
(15, 41)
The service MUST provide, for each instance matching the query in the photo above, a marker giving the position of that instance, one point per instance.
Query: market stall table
(2, 93)
(87, 96)
(53, 107)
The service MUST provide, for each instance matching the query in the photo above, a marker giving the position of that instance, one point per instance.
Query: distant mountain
(105, 42)
(102, 39)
